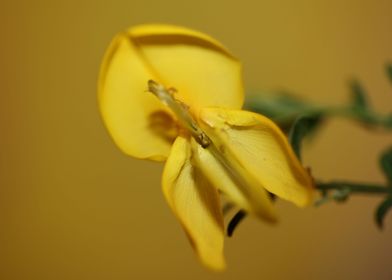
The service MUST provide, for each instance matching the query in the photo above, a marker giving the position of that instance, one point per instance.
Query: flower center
(214, 145)
(181, 110)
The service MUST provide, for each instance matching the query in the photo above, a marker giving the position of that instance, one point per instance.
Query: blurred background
(73, 207)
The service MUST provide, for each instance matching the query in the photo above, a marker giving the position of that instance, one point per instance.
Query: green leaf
(282, 107)
(274, 104)
(386, 164)
(303, 126)
(388, 121)
(359, 99)
(389, 71)
(382, 210)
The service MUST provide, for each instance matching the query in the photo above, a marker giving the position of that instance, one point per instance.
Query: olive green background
(73, 207)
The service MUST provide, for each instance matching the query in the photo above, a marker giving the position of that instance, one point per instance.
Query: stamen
(181, 110)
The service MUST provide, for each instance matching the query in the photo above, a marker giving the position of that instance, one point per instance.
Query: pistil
(181, 110)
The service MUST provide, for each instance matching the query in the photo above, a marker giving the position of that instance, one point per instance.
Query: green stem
(354, 187)
(284, 115)
(365, 116)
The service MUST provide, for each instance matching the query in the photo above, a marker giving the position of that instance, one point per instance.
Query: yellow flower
(209, 144)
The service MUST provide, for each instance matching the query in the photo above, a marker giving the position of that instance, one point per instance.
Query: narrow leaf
(386, 164)
(274, 105)
(389, 71)
(238, 217)
(359, 99)
(302, 127)
(382, 210)
(282, 107)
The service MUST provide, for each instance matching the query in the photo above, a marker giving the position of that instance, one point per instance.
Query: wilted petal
(198, 66)
(261, 149)
(195, 203)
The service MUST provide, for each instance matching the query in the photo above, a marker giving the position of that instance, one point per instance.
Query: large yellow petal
(199, 67)
(195, 203)
(227, 175)
(127, 109)
(261, 149)
(203, 71)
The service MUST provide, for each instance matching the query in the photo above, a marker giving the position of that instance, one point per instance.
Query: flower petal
(125, 105)
(262, 149)
(195, 203)
(199, 67)
(235, 182)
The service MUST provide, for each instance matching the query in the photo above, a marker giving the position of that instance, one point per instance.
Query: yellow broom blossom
(168, 93)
